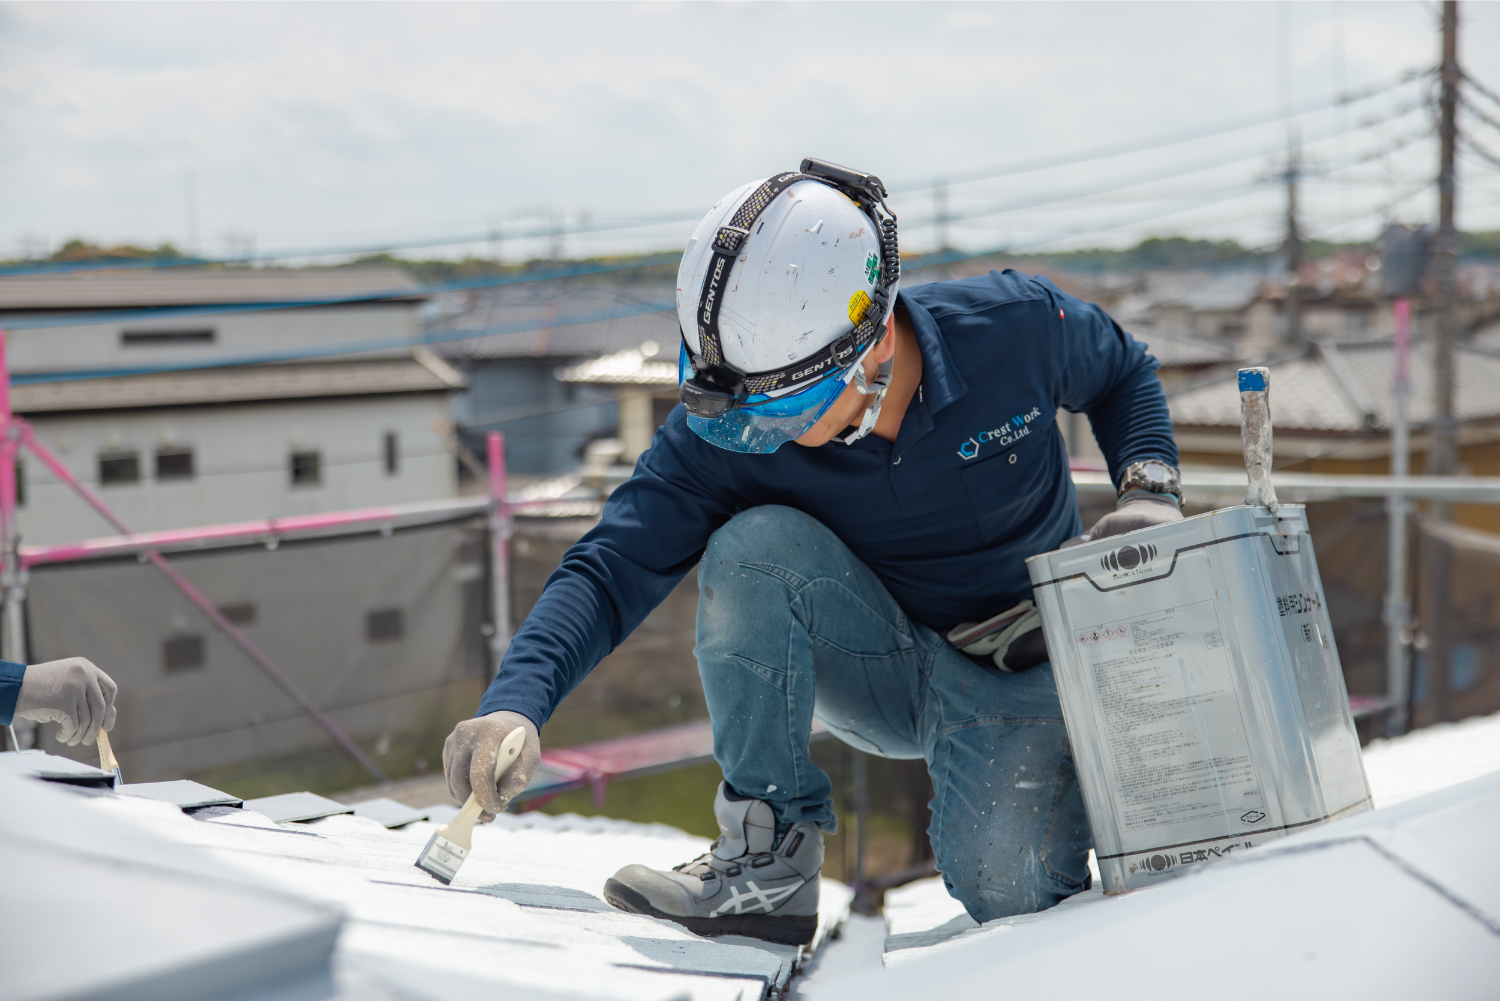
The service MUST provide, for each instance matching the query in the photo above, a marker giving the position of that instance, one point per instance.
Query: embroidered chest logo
(1013, 431)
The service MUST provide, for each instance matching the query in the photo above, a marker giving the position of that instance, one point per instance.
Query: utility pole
(1443, 453)
(1293, 247)
(1397, 612)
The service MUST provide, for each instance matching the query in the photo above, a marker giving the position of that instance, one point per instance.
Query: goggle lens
(763, 424)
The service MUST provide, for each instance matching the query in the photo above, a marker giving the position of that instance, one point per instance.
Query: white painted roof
(1367, 907)
(524, 918)
(1398, 902)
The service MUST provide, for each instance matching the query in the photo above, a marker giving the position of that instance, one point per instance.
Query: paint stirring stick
(107, 760)
(450, 844)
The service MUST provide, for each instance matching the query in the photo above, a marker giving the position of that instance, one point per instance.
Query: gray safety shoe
(743, 886)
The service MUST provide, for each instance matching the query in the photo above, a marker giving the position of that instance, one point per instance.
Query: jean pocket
(780, 679)
(1065, 846)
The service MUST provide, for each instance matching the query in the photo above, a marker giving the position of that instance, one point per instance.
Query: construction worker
(870, 574)
(71, 692)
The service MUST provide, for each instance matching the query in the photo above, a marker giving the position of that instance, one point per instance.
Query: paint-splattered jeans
(792, 625)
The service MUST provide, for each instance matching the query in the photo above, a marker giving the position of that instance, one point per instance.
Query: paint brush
(450, 844)
(107, 760)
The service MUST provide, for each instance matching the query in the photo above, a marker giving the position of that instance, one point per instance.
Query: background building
(190, 397)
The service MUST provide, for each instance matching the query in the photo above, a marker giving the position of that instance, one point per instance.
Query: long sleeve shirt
(11, 676)
(976, 481)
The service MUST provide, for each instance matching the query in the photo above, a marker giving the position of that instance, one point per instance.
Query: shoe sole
(797, 929)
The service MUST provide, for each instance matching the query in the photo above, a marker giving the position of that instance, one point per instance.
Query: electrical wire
(641, 307)
(1164, 140)
(1239, 156)
(1488, 157)
(1479, 88)
(1159, 141)
(1478, 113)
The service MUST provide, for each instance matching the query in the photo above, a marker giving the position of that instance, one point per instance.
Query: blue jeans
(791, 625)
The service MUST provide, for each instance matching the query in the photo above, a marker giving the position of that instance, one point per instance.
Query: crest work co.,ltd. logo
(1014, 430)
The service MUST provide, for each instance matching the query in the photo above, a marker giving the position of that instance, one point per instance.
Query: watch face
(1157, 471)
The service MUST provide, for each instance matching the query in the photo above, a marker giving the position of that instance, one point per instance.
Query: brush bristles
(441, 858)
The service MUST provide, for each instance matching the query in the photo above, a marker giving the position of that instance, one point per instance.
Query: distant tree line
(1156, 252)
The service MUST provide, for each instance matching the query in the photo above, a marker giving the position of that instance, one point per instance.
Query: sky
(310, 127)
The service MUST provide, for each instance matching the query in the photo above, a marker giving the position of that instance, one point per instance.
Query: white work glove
(469, 761)
(1135, 509)
(1013, 639)
(72, 692)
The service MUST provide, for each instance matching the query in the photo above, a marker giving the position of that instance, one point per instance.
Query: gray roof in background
(1185, 352)
(1197, 290)
(235, 384)
(557, 320)
(145, 287)
(1334, 387)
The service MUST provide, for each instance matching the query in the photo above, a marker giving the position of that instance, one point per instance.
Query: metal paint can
(1201, 688)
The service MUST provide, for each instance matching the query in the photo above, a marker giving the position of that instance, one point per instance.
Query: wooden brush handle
(107, 760)
(460, 830)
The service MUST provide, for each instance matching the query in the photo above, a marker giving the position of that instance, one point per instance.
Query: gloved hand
(1013, 639)
(469, 761)
(72, 692)
(1135, 509)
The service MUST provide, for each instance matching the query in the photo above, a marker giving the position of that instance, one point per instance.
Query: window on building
(392, 454)
(307, 469)
(174, 464)
(242, 614)
(1465, 664)
(183, 653)
(116, 468)
(384, 626)
(158, 338)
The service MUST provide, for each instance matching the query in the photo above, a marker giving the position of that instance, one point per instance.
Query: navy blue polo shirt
(976, 481)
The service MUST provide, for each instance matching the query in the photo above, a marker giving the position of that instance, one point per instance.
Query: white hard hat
(803, 278)
(784, 289)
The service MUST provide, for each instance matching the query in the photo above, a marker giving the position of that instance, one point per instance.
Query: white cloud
(316, 124)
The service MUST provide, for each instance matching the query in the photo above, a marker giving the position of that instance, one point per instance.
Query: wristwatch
(1152, 475)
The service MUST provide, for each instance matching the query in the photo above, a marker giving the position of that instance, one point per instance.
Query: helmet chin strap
(876, 389)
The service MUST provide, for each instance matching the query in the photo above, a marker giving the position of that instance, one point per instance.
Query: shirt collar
(939, 374)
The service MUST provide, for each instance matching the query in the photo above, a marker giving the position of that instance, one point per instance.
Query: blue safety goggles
(762, 424)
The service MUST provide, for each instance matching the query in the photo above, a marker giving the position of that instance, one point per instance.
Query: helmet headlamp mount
(717, 387)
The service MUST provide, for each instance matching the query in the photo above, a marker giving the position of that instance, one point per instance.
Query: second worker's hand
(469, 761)
(71, 692)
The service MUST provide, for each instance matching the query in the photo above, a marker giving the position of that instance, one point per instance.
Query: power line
(1163, 140)
(1479, 87)
(1160, 141)
(1238, 156)
(431, 338)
